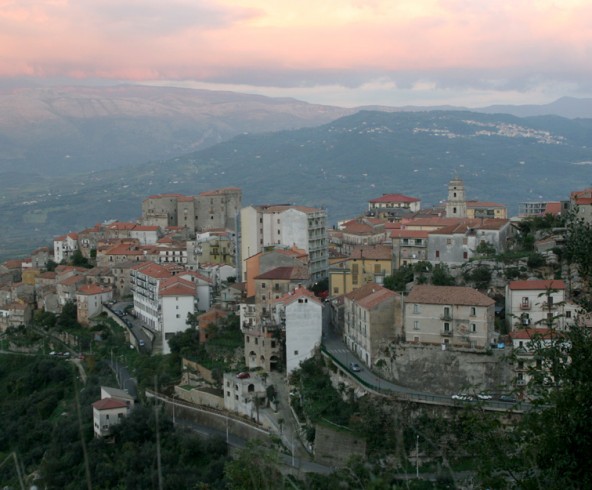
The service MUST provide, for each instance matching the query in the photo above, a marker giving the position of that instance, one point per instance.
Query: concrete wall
(327, 440)
(430, 369)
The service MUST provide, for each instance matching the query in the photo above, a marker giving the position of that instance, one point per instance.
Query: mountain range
(337, 159)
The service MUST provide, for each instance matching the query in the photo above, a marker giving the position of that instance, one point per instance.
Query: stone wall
(335, 447)
(433, 370)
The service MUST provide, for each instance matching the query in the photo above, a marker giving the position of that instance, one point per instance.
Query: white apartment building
(302, 314)
(303, 227)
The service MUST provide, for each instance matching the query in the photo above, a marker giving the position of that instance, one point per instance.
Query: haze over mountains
(72, 157)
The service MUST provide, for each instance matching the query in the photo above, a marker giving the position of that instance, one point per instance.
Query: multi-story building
(409, 247)
(209, 210)
(372, 317)
(357, 233)
(303, 227)
(456, 205)
(393, 206)
(176, 300)
(582, 202)
(481, 209)
(458, 243)
(538, 303)
(449, 315)
(145, 279)
(89, 301)
(263, 338)
(64, 247)
(107, 413)
(365, 264)
(301, 315)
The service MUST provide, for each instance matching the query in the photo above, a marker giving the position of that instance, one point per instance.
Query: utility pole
(417, 457)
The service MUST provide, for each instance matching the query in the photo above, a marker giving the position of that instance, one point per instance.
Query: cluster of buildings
(206, 255)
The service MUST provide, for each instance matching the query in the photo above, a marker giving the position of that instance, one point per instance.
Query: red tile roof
(529, 333)
(176, 286)
(286, 273)
(386, 198)
(448, 295)
(109, 404)
(91, 289)
(537, 285)
(297, 293)
(409, 234)
(372, 252)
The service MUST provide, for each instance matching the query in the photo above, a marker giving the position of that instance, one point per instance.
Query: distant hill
(60, 130)
(339, 165)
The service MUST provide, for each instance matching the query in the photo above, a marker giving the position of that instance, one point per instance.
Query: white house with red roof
(107, 413)
(176, 301)
(64, 246)
(524, 344)
(89, 301)
(536, 303)
(302, 314)
(449, 315)
(392, 205)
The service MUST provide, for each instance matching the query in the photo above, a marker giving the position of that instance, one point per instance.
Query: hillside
(339, 166)
(63, 130)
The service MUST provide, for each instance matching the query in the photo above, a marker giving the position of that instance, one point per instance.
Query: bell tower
(456, 205)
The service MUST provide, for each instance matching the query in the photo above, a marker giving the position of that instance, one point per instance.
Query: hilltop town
(436, 305)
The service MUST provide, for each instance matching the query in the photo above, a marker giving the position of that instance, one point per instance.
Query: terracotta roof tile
(394, 198)
(537, 285)
(448, 295)
(109, 404)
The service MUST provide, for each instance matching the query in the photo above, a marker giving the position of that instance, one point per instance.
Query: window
(473, 327)
(335, 290)
(376, 268)
(473, 311)
(415, 308)
(236, 397)
(178, 316)
(447, 311)
(449, 241)
(437, 254)
(465, 255)
(273, 344)
(256, 341)
(447, 327)
(415, 325)
(295, 352)
(568, 314)
(248, 339)
(263, 285)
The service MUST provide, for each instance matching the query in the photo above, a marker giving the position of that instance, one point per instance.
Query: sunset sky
(339, 52)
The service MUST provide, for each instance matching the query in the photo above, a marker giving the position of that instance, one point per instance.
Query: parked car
(484, 396)
(507, 399)
(464, 397)
(142, 343)
(243, 375)
(355, 367)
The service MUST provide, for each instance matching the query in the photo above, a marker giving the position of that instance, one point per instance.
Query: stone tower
(456, 206)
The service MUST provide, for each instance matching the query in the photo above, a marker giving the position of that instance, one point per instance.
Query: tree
(441, 276)
(398, 281)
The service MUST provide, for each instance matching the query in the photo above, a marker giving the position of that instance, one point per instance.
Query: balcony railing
(446, 333)
(446, 317)
(525, 305)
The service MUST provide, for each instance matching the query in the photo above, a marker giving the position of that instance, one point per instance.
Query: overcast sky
(338, 52)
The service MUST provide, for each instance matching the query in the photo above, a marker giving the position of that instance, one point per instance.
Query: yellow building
(364, 265)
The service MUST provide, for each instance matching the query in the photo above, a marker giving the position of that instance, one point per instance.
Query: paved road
(334, 345)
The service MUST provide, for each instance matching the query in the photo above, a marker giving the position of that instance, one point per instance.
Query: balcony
(446, 317)
(446, 333)
(525, 305)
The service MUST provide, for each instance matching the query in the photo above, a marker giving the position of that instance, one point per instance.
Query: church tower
(456, 206)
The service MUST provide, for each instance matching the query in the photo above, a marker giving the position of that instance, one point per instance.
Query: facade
(365, 264)
(393, 206)
(449, 315)
(360, 232)
(244, 393)
(277, 282)
(107, 413)
(582, 202)
(302, 315)
(524, 342)
(486, 210)
(64, 246)
(372, 317)
(262, 338)
(537, 303)
(456, 205)
(89, 301)
(145, 279)
(458, 243)
(209, 210)
(409, 247)
(299, 226)
(176, 300)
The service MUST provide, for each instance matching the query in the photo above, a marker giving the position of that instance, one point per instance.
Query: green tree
(254, 468)
(441, 276)
(399, 279)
